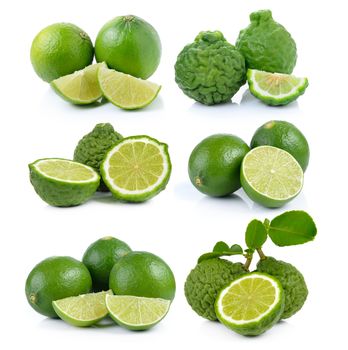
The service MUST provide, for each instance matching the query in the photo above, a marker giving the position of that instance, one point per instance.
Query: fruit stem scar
(32, 298)
(198, 181)
(261, 254)
(129, 18)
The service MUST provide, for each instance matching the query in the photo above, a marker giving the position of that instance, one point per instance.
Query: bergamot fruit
(206, 280)
(292, 280)
(210, 70)
(93, 147)
(267, 45)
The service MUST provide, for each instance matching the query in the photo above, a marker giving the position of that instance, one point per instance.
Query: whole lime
(142, 274)
(56, 278)
(100, 257)
(214, 164)
(60, 49)
(130, 45)
(284, 135)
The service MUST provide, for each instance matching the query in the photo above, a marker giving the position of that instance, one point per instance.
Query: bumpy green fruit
(206, 280)
(293, 283)
(210, 70)
(267, 45)
(93, 147)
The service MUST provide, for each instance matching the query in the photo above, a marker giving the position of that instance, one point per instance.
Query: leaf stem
(261, 254)
(248, 262)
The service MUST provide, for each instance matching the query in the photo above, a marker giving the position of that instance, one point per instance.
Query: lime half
(136, 313)
(271, 176)
(275, 88)
(81, 87)
(126, 91)
(84, 310)
(136, 168)
(62, 182)
(251, 304)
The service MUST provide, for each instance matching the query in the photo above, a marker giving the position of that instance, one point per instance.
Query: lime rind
(290, 88)
(124, 84)
(264, 197)
(141, 194)
(71, 311)
(80, 87)
(265, 320)
(131, 311)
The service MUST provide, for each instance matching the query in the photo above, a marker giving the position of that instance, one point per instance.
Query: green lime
(62, 182)
(251, 304)
(270, 176)
(214, 164)
(80, 87)
(56, 278)
(100, 257)
(275, 89)
(283, 135)
(137, 168)
(136, 313)
(130, 45)
(125, 91)
(82, 311)
(60, 49)
(142, 274)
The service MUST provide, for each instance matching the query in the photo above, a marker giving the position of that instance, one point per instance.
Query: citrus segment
(251, 304)
(271, 176)
(136, 313)
(136, 168)
(83, 310)
(275, 88)
(80, 87)
(126, 91)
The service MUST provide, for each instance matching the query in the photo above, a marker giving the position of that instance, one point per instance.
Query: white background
(180, 223)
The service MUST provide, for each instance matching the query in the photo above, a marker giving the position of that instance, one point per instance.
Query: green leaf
(266, 223)
(292, 228)
(221, 247)
(255, 235)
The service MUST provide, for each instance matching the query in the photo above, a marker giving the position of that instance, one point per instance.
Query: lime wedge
(251, 304)
(62, 182)
(81, 87)
(275, 88)
(136, 313)
(84, 310)
(136, 168)
(271, 176)
(126, 91)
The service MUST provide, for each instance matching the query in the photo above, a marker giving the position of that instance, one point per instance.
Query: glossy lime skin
(100, 257)
(266, 45)
(214, 164)
(130, 45)
(142, 274)
(284, 135)
(60, 49)
(56, 278)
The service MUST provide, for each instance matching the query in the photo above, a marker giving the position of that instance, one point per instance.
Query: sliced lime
(251, 304)
(62, 182)
(83, 310)
(126, 91)
(136, 313)
(81, 87)
(271, 176)
(275, 88)
(136, 168)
